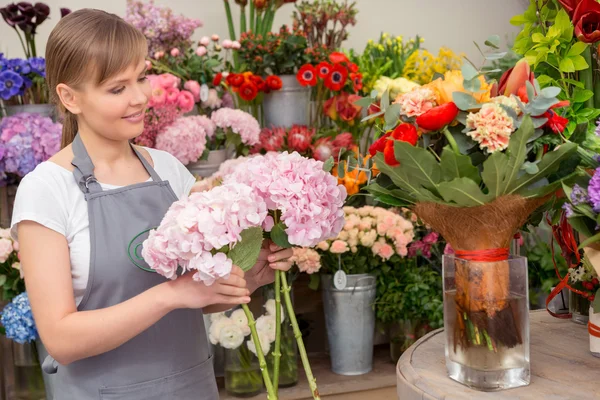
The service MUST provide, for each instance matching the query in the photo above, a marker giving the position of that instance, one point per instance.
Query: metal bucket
(287, 106)
(350, 321)
(208, 167)
(45, 110)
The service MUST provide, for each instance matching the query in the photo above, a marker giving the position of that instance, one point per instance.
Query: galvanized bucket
(45, 110)
(206, 168)
(350, 322)
(287, 106)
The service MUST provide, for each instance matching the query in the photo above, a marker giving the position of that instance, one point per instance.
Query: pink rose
(194, 87)
(158, 55)
(338, 247)
(175, 52)
(448, 249)
(213, 101)
(386, 251)
(201, 51)
(205, 41)
(227, 44)
(236, 45)
(215, 38)
(185, 101)
(159, 97)
(148, 65)
(6, 248)
(173, 95)
(168, 81)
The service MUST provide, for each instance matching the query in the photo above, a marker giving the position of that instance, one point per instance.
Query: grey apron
(170, 360)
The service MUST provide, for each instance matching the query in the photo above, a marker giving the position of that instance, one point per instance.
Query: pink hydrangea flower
(185, 139)
(491, 127)
(239, 122)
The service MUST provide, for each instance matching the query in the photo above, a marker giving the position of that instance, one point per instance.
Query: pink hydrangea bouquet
(167, 104)
(235, 128)
(185, 139)
(291, 199)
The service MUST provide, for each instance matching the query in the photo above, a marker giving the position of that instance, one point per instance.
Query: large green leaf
(493, 172)
(457, 166)
(245, 253)
(393, 197)
(549, 164)
(517, 151)
(279, 237)
(420, 165)
(462, 191)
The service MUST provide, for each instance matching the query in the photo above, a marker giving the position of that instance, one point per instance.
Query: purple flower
(38, 65)
(3, 62)
(594, 190)
(19, 65)
(578, 195)
(10, 84)
(568, 210)
(64, 12)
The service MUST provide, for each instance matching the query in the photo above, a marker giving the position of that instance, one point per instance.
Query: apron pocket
(196, 383)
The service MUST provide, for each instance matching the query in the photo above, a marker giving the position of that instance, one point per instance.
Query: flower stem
(251, 18)
(312, 382)
(587, 75)
(451, 140)
(229, 20)
(277, 349)
(242, 20)
(271, 395)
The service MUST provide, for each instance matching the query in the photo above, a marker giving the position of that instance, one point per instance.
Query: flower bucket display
(45, 110)
(242, 373)
(206, 168)
(29, 381)
(287, 106)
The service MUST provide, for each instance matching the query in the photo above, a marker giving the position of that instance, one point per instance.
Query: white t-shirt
(50, 196)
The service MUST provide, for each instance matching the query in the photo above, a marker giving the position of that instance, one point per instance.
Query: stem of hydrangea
(312, 382)
(271, 394)
(277, 349)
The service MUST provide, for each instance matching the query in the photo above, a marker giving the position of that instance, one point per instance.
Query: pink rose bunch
(195, 227)
(383, 231)
(306, 199)
(185, 139)
(239, 122)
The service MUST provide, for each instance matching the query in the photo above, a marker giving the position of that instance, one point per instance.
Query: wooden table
(561, 366)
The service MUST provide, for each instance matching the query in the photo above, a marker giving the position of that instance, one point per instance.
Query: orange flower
(453, 82)
(354, 179)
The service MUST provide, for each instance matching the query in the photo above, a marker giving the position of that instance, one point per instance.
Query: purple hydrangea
(38, 65)
(578, 195)
(10, 84)
(594, 191)
(25, 141)
(3, 62)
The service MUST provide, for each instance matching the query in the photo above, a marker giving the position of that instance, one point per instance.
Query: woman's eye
(143, 79)
(118, 90)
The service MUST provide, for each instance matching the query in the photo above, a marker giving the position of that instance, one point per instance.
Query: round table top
(562, 366)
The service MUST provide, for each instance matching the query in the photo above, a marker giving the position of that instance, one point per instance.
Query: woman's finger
(223, 299)
(274, 247)
(235, 270)
(232, 291)
(281, 255)
(233, 280)
(281, 265)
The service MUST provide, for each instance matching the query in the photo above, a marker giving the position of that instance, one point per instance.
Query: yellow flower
(380, 47)
(370, 42)
(453, 82)
(384, 36)
(396, 86)
(399, 38)
(389, 42)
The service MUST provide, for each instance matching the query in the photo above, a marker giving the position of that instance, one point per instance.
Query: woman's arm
(70, 335)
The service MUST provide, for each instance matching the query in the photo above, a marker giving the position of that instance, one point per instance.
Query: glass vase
(404, 334)
(486, 322)
(29, 381)
(288, 363)
(579, 308)
(242, 372)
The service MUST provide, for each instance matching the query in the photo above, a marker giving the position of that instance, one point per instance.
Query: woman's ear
(69, 98)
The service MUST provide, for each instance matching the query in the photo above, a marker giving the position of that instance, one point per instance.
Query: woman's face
(115, 109)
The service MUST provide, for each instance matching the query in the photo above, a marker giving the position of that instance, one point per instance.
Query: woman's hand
(188, 293)
(271, 258)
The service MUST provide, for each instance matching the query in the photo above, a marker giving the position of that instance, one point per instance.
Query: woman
(113, 330)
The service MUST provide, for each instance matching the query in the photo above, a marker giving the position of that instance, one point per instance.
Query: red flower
(555, 121)
(235, 80)
(337, 78)
(300, 137)
(270, 140)
(586, 20)
(379, 145)
(259, 82)
(569, 5)
(323, 69)
(356, 81)
(388, 154)
(343, 106)
(343, 141)
(438, 117)
(373, 109)
(274, 82)
(405, 133)
(337, 58)
(307, 76)
(248, 91)
(323, 149)
(513, 80)
(353, 67)
(217, 79)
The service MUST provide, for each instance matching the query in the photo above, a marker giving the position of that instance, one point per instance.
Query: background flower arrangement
(17, 320)
(11, 275)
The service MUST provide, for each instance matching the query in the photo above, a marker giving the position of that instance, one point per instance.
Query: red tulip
(379, 145)
(569, 5)
(438, 117)
(404, 133)
(586, 20)
(515, 78)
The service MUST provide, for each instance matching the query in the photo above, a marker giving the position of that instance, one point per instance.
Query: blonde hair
(89, 44)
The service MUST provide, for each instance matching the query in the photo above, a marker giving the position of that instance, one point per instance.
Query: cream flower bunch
(265, 326)
(229, 332)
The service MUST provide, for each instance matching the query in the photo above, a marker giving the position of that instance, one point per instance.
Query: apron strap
(147, 165)
(84, 168)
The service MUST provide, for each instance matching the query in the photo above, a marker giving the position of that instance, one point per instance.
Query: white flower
(239, 318)
(231, 336)
(214, 333)
(265, 344)
(5, 233)
(266, 325)
(216, 316)
(270, 307)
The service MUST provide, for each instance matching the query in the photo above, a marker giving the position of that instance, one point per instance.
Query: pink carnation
(307, 260)
(491, 127)
(239, 122)
(338, 247)
(309, 199)
(416, 102)
(185, 139)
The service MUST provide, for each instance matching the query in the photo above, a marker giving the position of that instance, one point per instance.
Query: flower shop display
(372, 238)
(249, 91)
(163, 29)
(185, 139)
(292, 198)
(11, 275)
(167, 104)
(488, 164)
(236, 129)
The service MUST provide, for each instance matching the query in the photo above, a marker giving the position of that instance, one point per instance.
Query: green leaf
(328, 165)
(495, 56)
(279, 237)
(573, 82)
(494, 169)
(464, 101)
(315, 281)
(549, 164)
(579, 63)
(493, 41)
(245, 253)
(462, 191)
(389, 196)
(473, 85)
(392, 114)
(517, 151)
(364, 102)
(577, 49)
(385, 100)
(581, 96)
(530, 167)
(420, 165)
(341, 169)
(2, 280)
(457, 166)
(562, 22)
(566, 65)
(469, 72)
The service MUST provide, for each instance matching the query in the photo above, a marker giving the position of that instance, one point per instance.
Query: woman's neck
(103, 150)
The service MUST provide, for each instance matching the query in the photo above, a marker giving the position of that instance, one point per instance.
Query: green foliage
(10, 278)
(245, 253)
